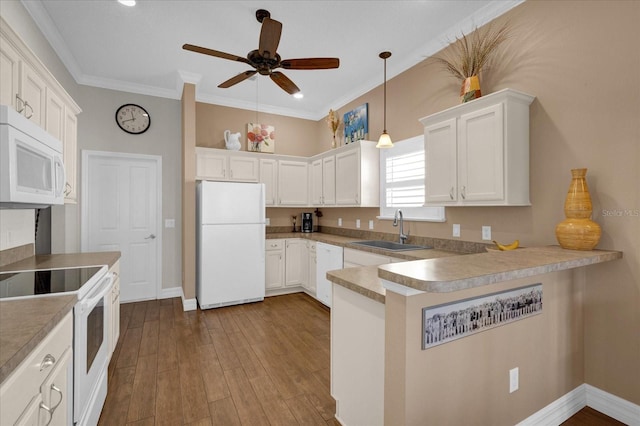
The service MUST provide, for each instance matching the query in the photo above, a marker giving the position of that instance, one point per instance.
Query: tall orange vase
(578, 231)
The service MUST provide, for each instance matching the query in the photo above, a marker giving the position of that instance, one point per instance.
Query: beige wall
(294, 136)
(188, 191)
(466, 381)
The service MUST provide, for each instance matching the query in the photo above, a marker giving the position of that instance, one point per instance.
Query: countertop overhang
(455, 273)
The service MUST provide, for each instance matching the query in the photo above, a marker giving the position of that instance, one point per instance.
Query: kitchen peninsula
(381, 374)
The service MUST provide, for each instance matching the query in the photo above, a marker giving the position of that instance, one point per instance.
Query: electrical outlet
(267, 221)
(513, 379)
(456, 230)
(486, 233)
(357, 223)
(370, 224)
(339, 221)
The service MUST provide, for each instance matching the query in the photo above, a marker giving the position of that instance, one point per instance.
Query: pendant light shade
(385, 139)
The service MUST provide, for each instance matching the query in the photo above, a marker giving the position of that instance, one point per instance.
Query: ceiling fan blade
(284, 82)
(310, 63)
(237, 79)
(215, 53)
(269, 37)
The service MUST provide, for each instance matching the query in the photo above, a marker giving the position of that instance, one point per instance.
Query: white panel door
(122, 202)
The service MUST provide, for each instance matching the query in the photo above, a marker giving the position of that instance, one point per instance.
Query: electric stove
(49, 282)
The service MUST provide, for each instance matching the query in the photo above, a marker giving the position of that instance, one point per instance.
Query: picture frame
(261, 138)
(451, 321)
(356, 124)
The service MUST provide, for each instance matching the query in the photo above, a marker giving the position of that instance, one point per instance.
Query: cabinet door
(57, 392)
(54, 115)
(292, 183)
(441, 162)
(211, 166)
(329, 180)
(32, 413)
(115, 314)
(481, 155)
(243, 169)
(295, 263)
(9, 74)
(33, 93)
(311, 284)
(316, 182)
(269, 176)
(70, 155)
(348, 177)
(274, 269)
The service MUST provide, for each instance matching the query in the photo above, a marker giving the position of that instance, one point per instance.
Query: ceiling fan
(265, 59)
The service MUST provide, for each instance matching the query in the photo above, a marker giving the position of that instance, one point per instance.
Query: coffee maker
(307, 222)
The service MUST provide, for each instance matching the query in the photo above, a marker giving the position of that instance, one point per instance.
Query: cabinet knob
(47, 361)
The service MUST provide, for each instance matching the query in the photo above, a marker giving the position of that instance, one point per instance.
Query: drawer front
(274, 244)
(24, 383)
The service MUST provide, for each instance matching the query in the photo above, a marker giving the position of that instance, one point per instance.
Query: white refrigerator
(230, 243)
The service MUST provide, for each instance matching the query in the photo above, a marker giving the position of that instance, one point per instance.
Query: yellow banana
(514, 245)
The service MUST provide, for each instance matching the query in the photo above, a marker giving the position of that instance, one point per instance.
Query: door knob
(150, 237)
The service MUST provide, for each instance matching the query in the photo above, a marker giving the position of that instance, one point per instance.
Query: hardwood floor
(256, 364)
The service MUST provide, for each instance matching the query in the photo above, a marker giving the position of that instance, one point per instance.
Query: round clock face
(133, 119)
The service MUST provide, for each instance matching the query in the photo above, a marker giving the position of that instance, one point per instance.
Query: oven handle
(97, 293)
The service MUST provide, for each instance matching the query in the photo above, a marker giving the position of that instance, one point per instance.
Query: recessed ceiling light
(127, 2)
(298, 95)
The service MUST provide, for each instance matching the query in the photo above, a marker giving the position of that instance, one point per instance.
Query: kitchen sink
(390, 245)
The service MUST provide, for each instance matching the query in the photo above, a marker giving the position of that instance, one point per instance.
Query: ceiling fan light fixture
(385, 140)
(298, 95)
(129, 3)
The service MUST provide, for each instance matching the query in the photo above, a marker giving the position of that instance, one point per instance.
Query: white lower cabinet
(40, 390)
(312, 258)
(274, 264)
(114, 335)
(295, 262)
(329, 258)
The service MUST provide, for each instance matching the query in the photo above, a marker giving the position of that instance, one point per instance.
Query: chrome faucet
(403, 236)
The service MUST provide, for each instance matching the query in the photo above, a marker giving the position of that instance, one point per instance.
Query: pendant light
(385, 139)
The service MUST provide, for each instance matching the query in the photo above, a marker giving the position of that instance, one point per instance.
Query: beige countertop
(23, 325)
(474, 270)
(25, 322)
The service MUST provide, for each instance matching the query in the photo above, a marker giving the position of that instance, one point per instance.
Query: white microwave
(31, 167)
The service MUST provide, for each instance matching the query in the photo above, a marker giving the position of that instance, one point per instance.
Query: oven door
(91, 357)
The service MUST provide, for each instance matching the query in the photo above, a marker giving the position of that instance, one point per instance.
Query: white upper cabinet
(292, 183)
(215, 164)
(357, 175)
(323, 180)
(27, 85)
(269, 176)
(477, 153)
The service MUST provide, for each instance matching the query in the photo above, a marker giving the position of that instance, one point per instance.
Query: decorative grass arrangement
(469, 54)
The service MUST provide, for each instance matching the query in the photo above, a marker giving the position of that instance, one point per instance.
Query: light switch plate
(456, 230)
(169, 223)
(357, 223)
(370, 224)
(486, 233)
(339, 221)
(267, 221)
(514, 379)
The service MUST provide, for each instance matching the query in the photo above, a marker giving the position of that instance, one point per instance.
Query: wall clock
(133, 119)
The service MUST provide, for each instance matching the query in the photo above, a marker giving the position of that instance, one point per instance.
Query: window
(402, 183)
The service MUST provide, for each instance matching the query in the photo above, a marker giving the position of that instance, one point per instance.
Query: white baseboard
(567, 405)
(613, 406)
(168, 293)
(188, 304)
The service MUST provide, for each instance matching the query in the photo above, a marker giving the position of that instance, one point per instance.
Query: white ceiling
(139, 49)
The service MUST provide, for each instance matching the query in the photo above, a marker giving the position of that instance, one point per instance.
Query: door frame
(84, 210)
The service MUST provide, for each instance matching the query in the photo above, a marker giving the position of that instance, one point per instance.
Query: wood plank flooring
(256, 364)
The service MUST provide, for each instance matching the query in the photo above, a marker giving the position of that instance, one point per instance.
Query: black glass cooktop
(34, 283)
